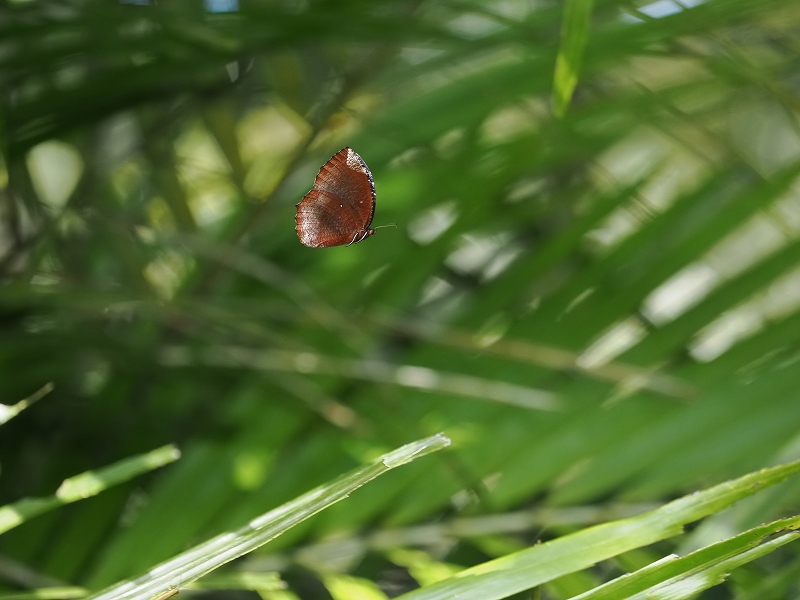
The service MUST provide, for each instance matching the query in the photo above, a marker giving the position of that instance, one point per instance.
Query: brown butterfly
(339, 208)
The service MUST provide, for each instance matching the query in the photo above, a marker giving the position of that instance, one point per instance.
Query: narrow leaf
(204, 558)
(91, 483)
(679, 588)
(346, 587)
(672, 567)
(421, 378)
(85, 485)
(247, 580)
(9, 412)
(531, 567)
(574, 34)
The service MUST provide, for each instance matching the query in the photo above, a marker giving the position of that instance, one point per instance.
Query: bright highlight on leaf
(85, 485)
(716, 558)
(574, 34)
(55, 169)
(204, 558)
(421, 566)
(346, 587)
(90, 483)
(9, 412)
(259, 582)
(542, 563)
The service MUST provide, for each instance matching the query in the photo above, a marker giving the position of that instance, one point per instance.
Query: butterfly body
(338, 210)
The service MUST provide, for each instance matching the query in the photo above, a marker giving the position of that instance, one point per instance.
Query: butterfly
(339, 208)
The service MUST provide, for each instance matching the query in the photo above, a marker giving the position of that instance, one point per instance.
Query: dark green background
(192, 135)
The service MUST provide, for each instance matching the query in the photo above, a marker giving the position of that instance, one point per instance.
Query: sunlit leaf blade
(673, 567)
(8, 412)
(346, 587)
(204, 558)
(484, 530)
(86, 485)
(93, 482)
(12, 515)
(421, 566)
(689, 586)
(574, 34)
(241, 580)
(526, 569)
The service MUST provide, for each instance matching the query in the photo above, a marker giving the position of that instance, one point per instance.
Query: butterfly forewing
(339, 209)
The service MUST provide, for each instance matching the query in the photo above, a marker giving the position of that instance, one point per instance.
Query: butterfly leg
(353, 241)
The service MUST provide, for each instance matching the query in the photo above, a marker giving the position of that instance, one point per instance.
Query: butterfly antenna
(389, 225)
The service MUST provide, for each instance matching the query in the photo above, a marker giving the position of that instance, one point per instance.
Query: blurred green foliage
(631, 267)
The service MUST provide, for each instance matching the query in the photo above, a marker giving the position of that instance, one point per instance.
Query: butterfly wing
(339, 209)
(346, 175)
(324, 219)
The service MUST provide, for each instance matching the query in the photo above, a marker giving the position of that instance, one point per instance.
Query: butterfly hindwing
(340, 207)
(324, 220)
